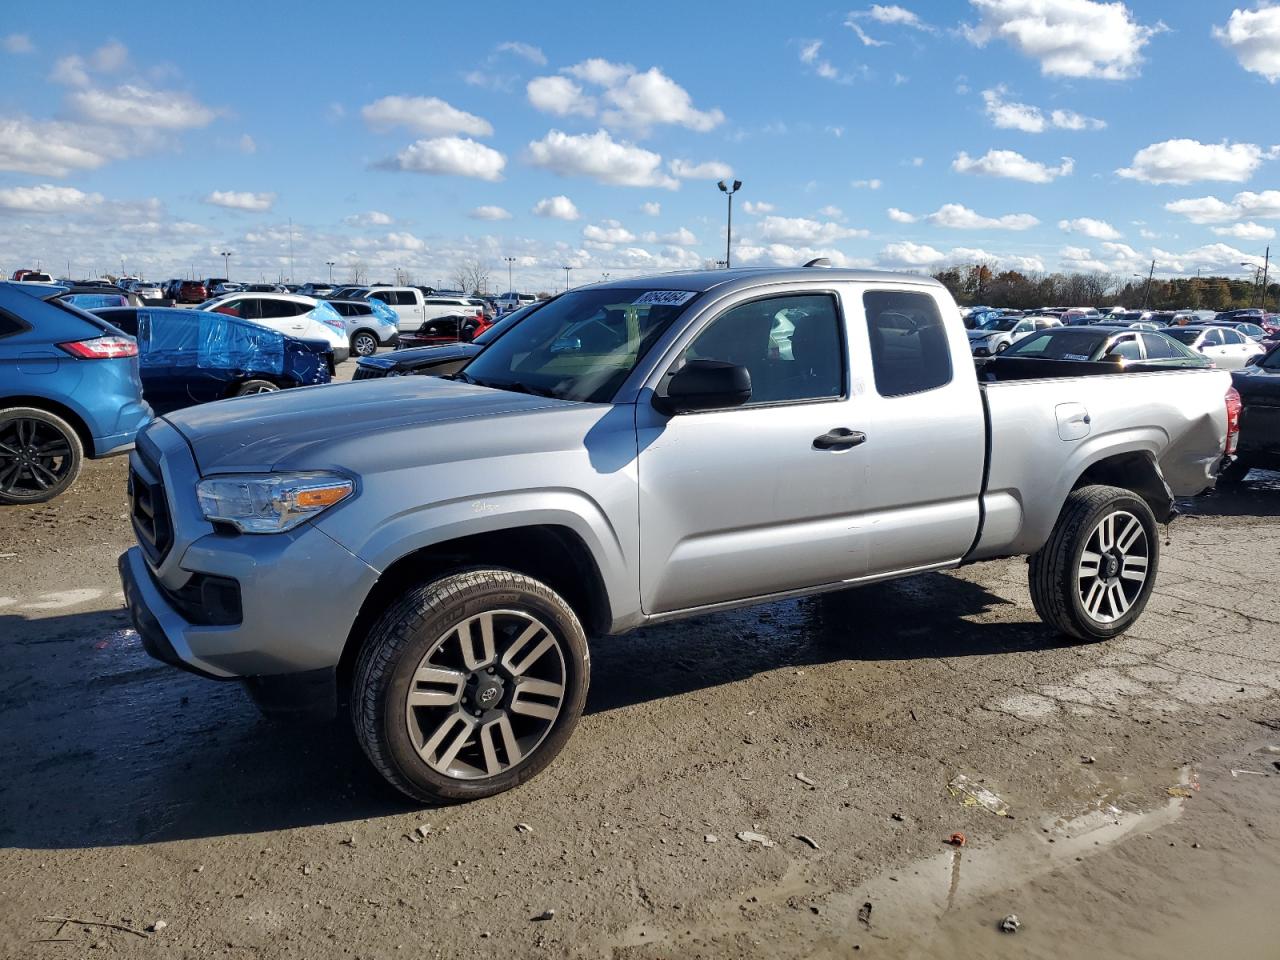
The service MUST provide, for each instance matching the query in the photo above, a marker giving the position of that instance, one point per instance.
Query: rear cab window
(910, 352)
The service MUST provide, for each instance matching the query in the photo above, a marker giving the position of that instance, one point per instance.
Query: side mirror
(706, 385)
(1254, 360)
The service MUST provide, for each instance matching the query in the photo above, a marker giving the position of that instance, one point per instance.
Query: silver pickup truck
(436, 552)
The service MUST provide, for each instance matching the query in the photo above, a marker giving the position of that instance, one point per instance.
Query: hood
(311, 427)
(415, 358)
(981, 334)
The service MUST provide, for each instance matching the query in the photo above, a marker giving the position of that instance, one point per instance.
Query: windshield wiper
(463, 377)
(518, 387)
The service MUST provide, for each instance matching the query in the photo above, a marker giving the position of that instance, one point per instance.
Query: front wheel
(252, 387)
(469, 685)
(1093, 578)
(364, 344)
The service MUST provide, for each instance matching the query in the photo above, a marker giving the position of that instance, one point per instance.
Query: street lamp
(1150, 276)
(728, 239)
(329, 263)
(510, 261)
(566, 278)
(226, 263)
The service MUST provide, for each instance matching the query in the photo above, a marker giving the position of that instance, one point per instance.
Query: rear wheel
(1093, 578)
(251, 387)
(364, 344)
(469, 685)
(40, 455)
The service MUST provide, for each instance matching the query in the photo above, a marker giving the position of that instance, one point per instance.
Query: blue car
(194, 356)
(69, 389)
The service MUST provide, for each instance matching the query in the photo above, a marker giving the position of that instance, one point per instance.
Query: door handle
(841, 438)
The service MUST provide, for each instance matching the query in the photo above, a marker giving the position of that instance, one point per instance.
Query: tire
(251, 387)
(1234, 473)
(445, 748)
(363, 344)
(1086, 606)
(1002, 348)
(40, 455)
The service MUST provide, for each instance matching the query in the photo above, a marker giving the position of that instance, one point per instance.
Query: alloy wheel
(35, 456)
(364, 345)
(486, 694)
(1113, 567)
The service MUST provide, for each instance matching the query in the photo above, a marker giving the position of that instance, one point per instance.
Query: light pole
(226, 263)
(510, 261)
(329, 263)
(1150, 276)
(1262, 272)
(566, 278)
(725, 188)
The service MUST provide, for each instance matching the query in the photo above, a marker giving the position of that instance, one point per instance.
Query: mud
(133, 792)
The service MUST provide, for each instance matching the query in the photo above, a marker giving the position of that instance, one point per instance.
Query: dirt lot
(1140, 777)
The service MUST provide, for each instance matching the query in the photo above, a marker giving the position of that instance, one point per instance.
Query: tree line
(980, 284)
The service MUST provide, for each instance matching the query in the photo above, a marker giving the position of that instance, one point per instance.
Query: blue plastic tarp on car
(95, 301)
(192, 338)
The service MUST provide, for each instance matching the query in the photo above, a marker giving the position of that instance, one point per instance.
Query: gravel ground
(832, 727)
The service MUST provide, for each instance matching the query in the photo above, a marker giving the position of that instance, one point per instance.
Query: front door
(756, 499)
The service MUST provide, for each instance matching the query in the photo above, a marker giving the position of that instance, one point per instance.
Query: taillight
(101, 348)
(1234, 406)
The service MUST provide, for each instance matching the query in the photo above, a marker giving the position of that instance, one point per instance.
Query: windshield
(506, 323)
(581, 346)
(1059, 344)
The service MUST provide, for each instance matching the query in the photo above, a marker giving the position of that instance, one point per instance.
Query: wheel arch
(58, 409)
(1137, 471)
(552, 553)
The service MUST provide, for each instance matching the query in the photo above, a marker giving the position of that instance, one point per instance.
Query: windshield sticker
(1075, 356)
(665, 298)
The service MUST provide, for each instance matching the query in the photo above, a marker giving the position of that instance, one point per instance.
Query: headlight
(270, 502)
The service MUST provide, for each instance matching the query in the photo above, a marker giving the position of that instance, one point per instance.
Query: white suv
(289, 313)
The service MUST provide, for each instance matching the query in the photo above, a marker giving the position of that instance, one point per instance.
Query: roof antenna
(819, 262)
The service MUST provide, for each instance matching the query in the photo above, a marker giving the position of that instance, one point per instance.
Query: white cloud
(1122, 258)
(247, 144)
(1089, 227)
(651, 209)
(111, 57)
(1070, 38)
(241, 200)
(1009, 115)
(526, 50)
(709, 170)
(1243, 206)
(868, 184)
(133, 106)
(631, 99)
(791, 255)
(867, 41)
(801, 230)
(607, 231)
(46, 198)
(758, 207)
(901, 216)
(1070, 120)
(556, 208)
(1186, 161)
(449, 156)
(489, 213)
(428, 115)
(370, 218)
(831, 212)
(1013, 166)
(599, 156)
(1246, 231)
(959, 217)
(51, 148)
(560, 96)
(683, 237)
(70, 71)
(17, 43)
(916, 162)
(895, 15)
(908, 254)
(405, 241)
(810, 55)
(1254, 37)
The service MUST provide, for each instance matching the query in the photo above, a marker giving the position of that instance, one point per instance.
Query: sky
(1037, 135)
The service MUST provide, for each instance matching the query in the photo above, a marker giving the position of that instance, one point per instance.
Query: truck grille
(148, 508)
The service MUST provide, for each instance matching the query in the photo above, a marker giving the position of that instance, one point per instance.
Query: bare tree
(471, 275)
(359, 274)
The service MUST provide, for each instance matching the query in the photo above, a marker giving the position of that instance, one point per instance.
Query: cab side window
(1127, 348)
(792, 346)
(909, 348)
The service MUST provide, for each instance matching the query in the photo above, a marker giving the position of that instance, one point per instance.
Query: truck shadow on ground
(105, 747)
